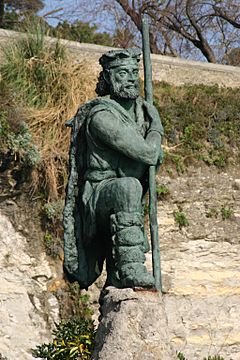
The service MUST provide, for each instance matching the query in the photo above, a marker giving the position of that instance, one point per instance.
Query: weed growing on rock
(53, 210)
(162, 191)
(52, 222)
(180, 356)
(53, 245)
(73, 338)
(180, 218)
(226, 212)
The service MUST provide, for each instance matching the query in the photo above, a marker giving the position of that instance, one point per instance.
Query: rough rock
(199, 312)
(200, 271)
(200, 263)
(27, 310)
(133, 326)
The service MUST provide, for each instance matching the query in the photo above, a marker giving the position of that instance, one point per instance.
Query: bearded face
(124, 82)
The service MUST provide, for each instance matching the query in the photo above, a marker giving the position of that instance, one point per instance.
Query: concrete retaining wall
(172, 70)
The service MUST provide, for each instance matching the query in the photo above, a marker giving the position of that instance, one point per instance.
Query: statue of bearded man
(115, 138)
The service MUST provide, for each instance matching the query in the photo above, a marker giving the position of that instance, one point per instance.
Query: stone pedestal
(133, 327)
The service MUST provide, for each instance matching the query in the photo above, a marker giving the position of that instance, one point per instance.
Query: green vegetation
(53, 244)
(226, 212)
(32, 69)
(202, 123)
(73, 339)
(180, 218)
(52, 223)
(41, 87)
(53, 211)
(23, 19)
(180, 356)
(82, 32)
(16, 142)
(162, 191)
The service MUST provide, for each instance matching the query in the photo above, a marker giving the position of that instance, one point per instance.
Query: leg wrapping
(128, 250)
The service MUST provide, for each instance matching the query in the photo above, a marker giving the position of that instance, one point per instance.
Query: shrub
(73, 339)
(201, 123)
(18, 143)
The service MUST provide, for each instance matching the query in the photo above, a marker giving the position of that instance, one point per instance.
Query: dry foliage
(48, 87)
(47, 124)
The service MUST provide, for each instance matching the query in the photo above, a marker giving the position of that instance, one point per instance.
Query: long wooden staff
(152, 170)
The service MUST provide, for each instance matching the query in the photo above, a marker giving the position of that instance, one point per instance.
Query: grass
(48, 88)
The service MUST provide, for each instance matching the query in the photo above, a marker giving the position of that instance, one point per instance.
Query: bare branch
(136, 18)
(201, 42)
(52, 12)
(223, 14)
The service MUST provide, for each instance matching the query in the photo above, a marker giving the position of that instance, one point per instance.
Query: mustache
(132, 84)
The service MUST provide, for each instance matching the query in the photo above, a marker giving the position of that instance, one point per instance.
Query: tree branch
(201, 43)
(136, 17)
(225, 16)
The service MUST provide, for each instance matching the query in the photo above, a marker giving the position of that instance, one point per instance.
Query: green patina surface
(115, 139)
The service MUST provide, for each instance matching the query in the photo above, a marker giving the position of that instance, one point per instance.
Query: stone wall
(172, 70)
(201, 277)
(200, 262)
(27, 309)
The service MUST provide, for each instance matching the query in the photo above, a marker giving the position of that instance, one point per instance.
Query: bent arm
(125, 139)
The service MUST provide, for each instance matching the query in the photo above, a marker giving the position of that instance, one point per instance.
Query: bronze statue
(115, 139)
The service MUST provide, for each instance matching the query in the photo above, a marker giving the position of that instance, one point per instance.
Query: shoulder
(103, 112)
(102, 105)
(101, 120)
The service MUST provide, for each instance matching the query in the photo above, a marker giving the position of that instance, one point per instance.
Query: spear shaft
(152, 170)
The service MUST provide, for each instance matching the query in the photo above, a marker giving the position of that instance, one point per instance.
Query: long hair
(102, 87)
